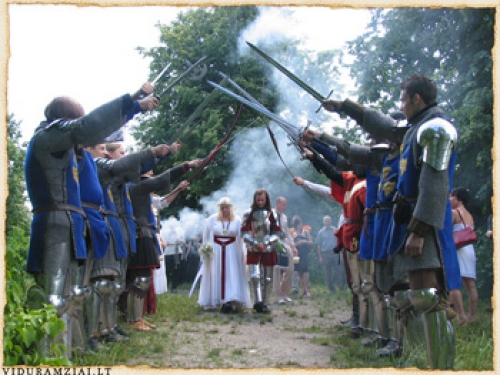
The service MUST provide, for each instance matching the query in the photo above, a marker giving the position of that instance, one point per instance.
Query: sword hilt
(321, 105)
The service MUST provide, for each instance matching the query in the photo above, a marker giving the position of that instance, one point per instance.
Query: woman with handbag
(462, 224)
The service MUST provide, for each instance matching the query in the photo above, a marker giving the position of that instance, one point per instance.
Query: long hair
(296, 221)
(227, 202)
(268, 200)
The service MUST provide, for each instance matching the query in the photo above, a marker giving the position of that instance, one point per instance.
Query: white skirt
(467, 261)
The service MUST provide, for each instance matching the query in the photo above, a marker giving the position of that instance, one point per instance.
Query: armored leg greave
(135, 304)
(101, 288)
(377, 301)
(80, 291)
(439, 334)
(56, 282)
(355, 266)
(268, 283)
(255, 280)
(118, 288)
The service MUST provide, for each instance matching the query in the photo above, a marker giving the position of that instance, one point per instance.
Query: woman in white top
(466, 255)
(223, 282)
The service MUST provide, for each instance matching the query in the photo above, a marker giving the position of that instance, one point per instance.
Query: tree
(452, 46)
(211, 32)
(215, 33)
(17, 212)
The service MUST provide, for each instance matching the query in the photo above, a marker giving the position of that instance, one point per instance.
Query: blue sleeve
(151, 163)
(136, 108)
(326, 151)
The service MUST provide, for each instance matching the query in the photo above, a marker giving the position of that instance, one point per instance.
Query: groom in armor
(260, 231)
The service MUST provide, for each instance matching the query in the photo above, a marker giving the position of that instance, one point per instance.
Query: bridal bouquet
(206, 251)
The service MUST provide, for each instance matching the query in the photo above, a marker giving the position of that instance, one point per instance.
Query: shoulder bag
(465, 236)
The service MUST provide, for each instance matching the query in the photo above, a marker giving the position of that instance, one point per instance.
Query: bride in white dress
(223, 282)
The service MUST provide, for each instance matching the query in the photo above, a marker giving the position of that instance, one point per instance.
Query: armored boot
(361, 321)
(114, 330)
(56, 285)
(439, 334)
(135, 303)
(119, 288)
(80, 291)
(100, 289)
(379, 309)
(258, 303)
(268, 285)
(354, 323)
(394, 346)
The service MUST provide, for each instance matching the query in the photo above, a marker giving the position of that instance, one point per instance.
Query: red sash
(223, 241)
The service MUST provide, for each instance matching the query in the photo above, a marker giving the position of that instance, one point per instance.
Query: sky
(89, 53)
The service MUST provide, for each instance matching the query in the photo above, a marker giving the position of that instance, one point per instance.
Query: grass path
(306, 333)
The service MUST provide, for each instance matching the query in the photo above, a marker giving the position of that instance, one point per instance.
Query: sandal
(141, 326)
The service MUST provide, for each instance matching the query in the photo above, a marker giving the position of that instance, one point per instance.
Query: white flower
(206, 251)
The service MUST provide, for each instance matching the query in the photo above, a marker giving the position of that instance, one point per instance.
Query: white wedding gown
(236, 285)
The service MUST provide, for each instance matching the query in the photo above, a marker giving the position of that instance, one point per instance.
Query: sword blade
(316, 95)
(160, 75)
(261, 109)
(252, 99)
(239, 88)
(181, 76)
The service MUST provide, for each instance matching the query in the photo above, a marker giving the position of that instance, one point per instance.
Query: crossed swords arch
(293, 132)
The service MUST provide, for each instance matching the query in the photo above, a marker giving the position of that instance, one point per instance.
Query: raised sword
(315, 94)
(184, 74)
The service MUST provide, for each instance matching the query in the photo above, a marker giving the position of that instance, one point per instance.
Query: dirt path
(292, 335)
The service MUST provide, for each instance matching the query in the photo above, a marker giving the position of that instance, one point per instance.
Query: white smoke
(253, 157)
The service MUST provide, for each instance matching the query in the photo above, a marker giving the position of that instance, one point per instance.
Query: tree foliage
(16, 210)
(216, 33)
(24, 331)
(210, 32)
(452, 46)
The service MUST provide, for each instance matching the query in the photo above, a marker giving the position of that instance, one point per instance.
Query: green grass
(182, 316)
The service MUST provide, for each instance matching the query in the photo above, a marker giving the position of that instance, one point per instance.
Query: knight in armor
(423, 248)
(109, 266)
(260, 232)
(146, 256)
(349, 189)
(382, 159)
(122, 173)
(58, 252)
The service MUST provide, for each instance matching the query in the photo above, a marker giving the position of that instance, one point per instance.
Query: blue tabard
(448, 248)
(366, 242)
(383, 218)
(91, 192)
(38, 187)
(121, 250)
(408, 186)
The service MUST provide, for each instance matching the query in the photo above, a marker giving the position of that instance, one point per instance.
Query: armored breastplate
(261, 225)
